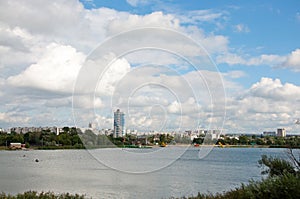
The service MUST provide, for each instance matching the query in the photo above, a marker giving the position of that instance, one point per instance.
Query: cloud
(230, 59)
(17, 49)
(56, 70)
(143, 101)
(113, 74)
(59, 102)
(13, 118)
(269, 88)
(235, 74)
(155, 19)
(211, 42)
(241, 28)
(82, 28)
(264, 59)
(271, 60)
(297, 16)
(135, 3)
(54, 17)
(290, 61)
(266, 105)
(200, 16)
(40, 58)
(87, 102)
(174, 107)
(171, 95)
(293, 61)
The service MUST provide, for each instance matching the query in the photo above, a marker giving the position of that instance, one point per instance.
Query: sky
(168, 65)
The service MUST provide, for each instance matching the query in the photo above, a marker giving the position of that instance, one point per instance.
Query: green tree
(27, 145)
(198, 140)
(26, 137)
(279, 141)
(75, 139)
(3, 139)
(162, 138)
(243, 139)
(259, 141)
(15, 137)
(276, 166)
(89, 138)
(64, 139)
(66, 129)
(34, 138)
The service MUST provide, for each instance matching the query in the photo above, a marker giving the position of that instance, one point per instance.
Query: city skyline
(253, 46)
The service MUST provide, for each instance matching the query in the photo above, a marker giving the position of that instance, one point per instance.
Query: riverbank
(146, 147)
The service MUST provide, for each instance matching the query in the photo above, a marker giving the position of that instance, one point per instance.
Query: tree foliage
(276, 166)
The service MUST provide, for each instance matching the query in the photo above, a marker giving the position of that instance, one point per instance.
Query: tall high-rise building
(281, 132)
(119, 124)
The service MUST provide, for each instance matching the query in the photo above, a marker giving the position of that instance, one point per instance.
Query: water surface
(77, 171)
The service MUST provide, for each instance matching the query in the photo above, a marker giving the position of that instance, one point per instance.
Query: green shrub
(42, 195)
(276, 166)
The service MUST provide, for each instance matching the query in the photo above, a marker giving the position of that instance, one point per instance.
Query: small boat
(163, 144)
(220, 145)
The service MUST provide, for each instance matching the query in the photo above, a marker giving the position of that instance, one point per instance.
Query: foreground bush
(281, 187)
(42, 195)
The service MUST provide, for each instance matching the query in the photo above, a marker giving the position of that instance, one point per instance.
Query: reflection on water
(77, 171)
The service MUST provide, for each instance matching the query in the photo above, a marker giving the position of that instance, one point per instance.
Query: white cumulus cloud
(293, 60)
(56, 70)
(269, 88)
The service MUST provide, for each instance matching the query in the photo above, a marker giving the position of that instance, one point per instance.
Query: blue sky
(268, 27)
(255, 45)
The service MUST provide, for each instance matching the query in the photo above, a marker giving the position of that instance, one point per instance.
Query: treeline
(69, 138)
(91, 140)
(272, 141)
(74, 138)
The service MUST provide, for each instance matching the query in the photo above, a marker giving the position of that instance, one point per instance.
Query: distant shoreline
(148, 147)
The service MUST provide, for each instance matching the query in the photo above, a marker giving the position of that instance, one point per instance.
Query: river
(111, 176)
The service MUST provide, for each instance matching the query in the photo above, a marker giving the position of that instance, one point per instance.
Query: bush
(276, 166)
(284, 186)
(42, 195)
(27, 145)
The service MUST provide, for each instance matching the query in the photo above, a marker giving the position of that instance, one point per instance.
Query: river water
(99, 173)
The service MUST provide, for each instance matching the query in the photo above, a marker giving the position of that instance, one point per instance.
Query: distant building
(92, 125)
(16, 145)
(281, 132)
(119, 124)
(269, 133)
(212, 134)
